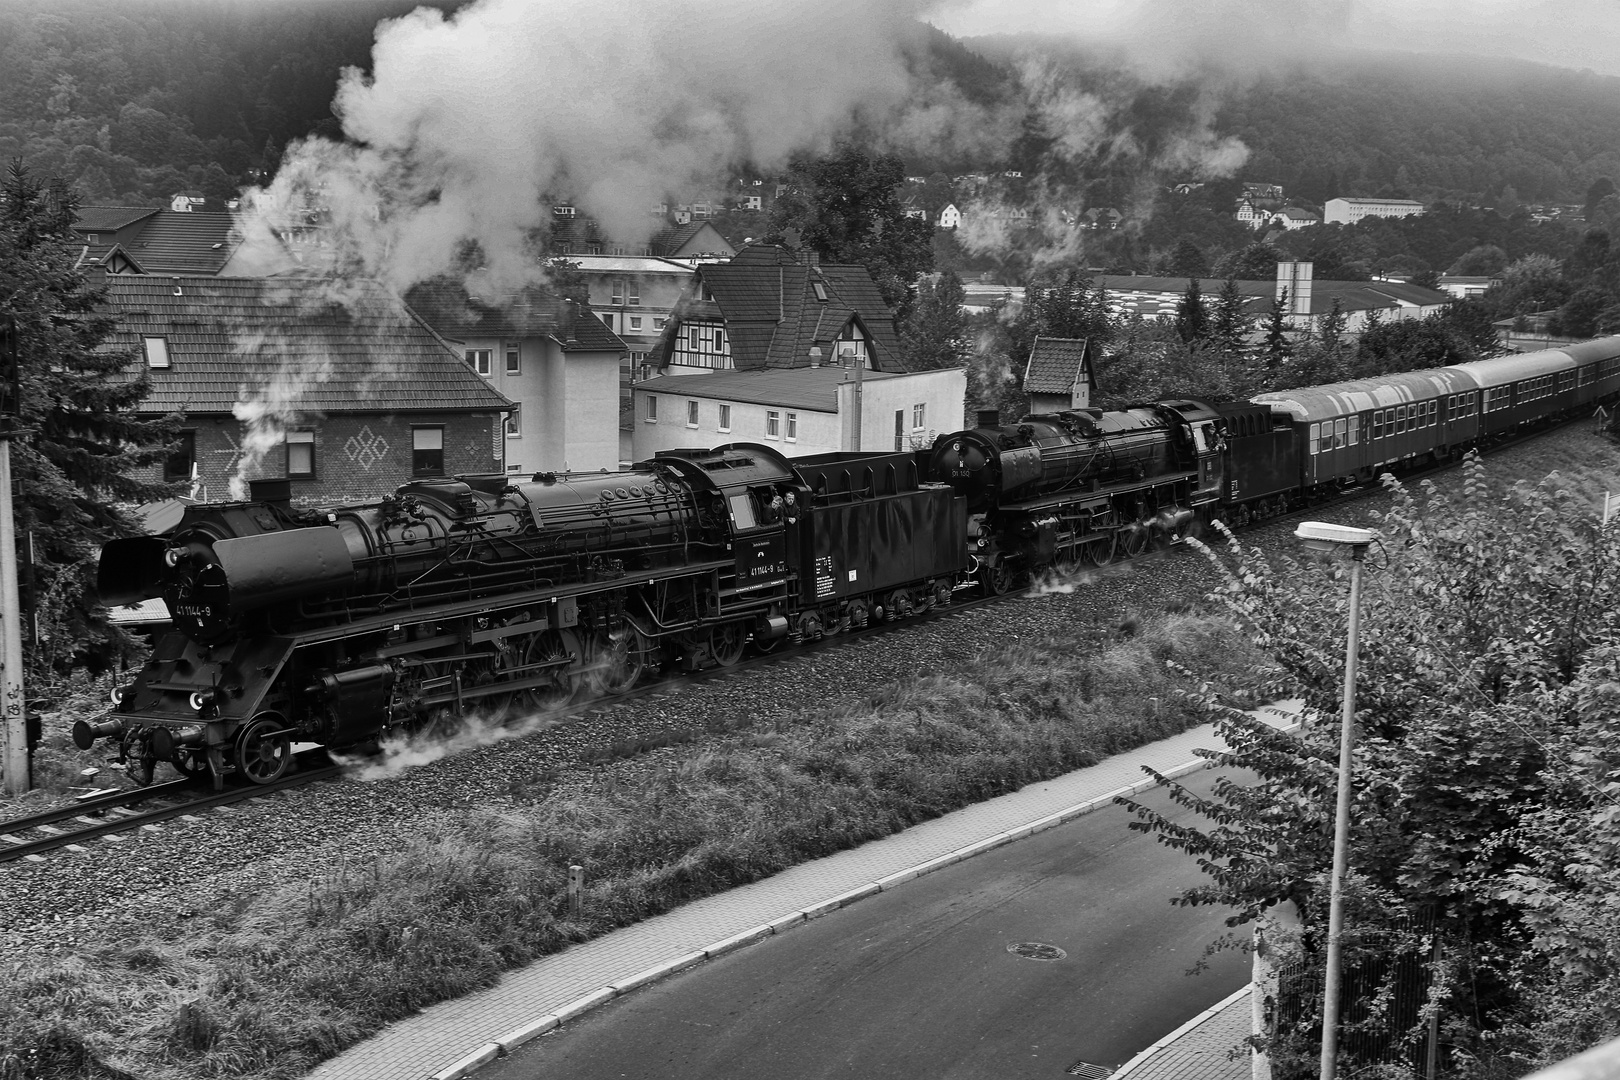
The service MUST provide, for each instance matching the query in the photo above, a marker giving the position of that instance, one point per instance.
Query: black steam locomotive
(337, 626)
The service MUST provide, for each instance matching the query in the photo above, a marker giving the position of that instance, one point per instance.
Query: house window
(919, 414)
(157, 351)
(618, 290)
(652, 409)
(607, 318)
(180, 463)
(301, 455)
(514, 364)
(899, 429)
(821, 291)
(691, 414)
(773, 424)
(719, 340)
(658, 324)
(514, 423)
(792, 427)
(635, 322)
(427, 450)
(725, 418)
(692, 338)
(632, 293)
(480, 360)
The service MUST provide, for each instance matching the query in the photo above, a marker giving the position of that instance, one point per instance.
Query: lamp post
(1322, 536)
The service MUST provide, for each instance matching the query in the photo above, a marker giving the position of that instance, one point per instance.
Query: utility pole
(13, 714)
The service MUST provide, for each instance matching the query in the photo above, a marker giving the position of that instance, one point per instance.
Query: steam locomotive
(338, 626)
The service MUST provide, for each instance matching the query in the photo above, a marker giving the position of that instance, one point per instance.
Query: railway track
(113, 816)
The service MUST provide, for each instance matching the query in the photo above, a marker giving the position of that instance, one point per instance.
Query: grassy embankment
(282, 979)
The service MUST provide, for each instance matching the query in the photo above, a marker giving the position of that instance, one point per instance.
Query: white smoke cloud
(469, 126)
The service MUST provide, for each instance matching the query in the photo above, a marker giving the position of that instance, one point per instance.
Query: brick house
(336, 386)
(551, 356)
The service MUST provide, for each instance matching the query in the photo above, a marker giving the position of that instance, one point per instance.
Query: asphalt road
(920, 982)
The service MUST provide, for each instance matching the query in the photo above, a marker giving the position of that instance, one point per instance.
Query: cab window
(742, 511)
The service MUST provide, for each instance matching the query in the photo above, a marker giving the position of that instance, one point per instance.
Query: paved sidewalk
(454, 1038)
(1207, 1047)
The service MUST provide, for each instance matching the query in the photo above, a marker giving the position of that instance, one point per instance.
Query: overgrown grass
(274, 983)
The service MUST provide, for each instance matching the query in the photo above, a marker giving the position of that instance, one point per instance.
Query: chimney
(989, 418)
(1296, 278)
(270, 491)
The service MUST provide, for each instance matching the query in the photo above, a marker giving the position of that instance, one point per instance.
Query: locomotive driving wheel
(618, 660)
(726, 643)
(1100, 552)
(550, 645)
(263, 750)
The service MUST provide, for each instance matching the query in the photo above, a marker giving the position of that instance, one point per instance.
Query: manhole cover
(1035, 950)
(1086, 1068)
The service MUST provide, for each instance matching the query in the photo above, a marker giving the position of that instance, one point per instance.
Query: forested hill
(136, 101)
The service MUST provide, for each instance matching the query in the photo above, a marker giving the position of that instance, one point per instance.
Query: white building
(799, 411)
(950, 217)
(1350, 211)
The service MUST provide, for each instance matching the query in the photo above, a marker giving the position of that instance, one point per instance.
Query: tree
(78, 469)
(1068, 307)
(936, 333)
(1192, 318)
(1188, 261)
(847, 209)
(1410, 345)
(1229, 330)
(1257, 262)
(1277, 348)
(1600, 189)
(1485, 773)
(1484, 260)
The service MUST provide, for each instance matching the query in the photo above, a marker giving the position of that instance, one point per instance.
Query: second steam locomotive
(480, 592)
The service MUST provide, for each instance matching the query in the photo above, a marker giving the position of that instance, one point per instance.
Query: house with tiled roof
(696, 240)
(550, 355)
(141, 240)
(334, 385)
(1294, 217)
(634, 295)
(766, 322)
(1059, 375)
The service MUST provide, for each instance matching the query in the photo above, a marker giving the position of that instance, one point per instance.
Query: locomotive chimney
(270, 491)
(989, 417)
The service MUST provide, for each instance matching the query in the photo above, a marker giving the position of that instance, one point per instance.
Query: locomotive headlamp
(119, 693)
(201, 699)
(171, 557)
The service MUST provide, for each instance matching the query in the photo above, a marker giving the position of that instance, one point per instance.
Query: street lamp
(1323, 536)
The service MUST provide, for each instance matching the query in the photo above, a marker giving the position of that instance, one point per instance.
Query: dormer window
(821, 291)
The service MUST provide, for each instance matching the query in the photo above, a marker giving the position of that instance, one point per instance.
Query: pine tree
(76, 469)
(1278, 349)
(1230, 329)
(1192, 318)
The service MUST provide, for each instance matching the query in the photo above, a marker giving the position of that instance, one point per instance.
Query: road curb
(549, 1022)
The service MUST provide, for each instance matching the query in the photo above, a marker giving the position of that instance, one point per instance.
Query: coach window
(1355, 430)
(1377, 425)
(427, 451)
(1341, 428)
(301, 455)
(1316, 434)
